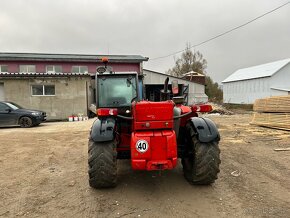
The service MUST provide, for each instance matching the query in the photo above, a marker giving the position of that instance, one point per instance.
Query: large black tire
(201, 164)
(25, 122)
(102, 164)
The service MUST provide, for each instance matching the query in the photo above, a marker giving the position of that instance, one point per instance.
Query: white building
(154, 83)
(246, 85)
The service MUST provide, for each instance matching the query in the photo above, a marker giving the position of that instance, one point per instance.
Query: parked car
(12, 114)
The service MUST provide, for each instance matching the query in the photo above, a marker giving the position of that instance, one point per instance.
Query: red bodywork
(193, 109)
(153, 126)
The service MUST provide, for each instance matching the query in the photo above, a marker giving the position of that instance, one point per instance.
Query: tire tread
(205, 160)
(102, 164)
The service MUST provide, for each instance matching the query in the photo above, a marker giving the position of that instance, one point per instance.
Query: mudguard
(206, 129)
(103, 130)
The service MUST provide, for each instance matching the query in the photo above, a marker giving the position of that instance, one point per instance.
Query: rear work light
(101, 112)
(201, 108)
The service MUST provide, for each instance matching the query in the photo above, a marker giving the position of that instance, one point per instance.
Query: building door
(2, 96)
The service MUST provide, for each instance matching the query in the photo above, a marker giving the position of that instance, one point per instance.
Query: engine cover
(153, 150)
(152, 115)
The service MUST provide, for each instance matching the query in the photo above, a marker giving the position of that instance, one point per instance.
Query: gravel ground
(44, 174)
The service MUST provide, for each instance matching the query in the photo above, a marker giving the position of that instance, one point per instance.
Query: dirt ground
(43, 173)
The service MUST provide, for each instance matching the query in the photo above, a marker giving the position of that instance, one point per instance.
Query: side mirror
(174, 87)
(8, 110)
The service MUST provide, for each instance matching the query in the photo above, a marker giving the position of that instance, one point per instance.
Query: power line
(222, 34)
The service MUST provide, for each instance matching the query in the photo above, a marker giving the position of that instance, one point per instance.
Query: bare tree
(189, 61)
(194, 61)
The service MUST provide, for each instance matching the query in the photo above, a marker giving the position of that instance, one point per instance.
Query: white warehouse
(246, 85)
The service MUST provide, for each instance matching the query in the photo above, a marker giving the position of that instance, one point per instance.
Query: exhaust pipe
(166, 85)
(165, 93)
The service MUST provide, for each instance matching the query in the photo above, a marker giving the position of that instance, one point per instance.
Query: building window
(43, 90)
(79, 69)
(3, 69)
(27, 69)
(53, 69)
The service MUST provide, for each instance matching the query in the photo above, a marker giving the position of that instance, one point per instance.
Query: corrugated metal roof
(72, 57)
(192, 73)
(2, 74)
(281, 89)
(264, 70)
(164, 74)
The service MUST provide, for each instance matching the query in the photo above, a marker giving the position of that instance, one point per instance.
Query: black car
(12, 114)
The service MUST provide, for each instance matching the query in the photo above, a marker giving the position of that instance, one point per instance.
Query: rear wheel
(25, 122)
(102, 164)
(201, 164)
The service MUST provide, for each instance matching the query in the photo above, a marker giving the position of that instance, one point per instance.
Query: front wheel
(102, 164)
(201, 164)
(25, 122)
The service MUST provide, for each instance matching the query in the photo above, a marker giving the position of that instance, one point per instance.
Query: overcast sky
(151, 28)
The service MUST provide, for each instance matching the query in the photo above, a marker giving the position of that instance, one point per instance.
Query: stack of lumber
(272, 112)
(273, 120)
(273, 104)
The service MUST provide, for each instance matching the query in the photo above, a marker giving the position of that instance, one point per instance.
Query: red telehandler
(153, 135)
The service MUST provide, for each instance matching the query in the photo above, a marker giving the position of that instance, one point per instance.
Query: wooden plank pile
(273, 104)
(272, 112)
